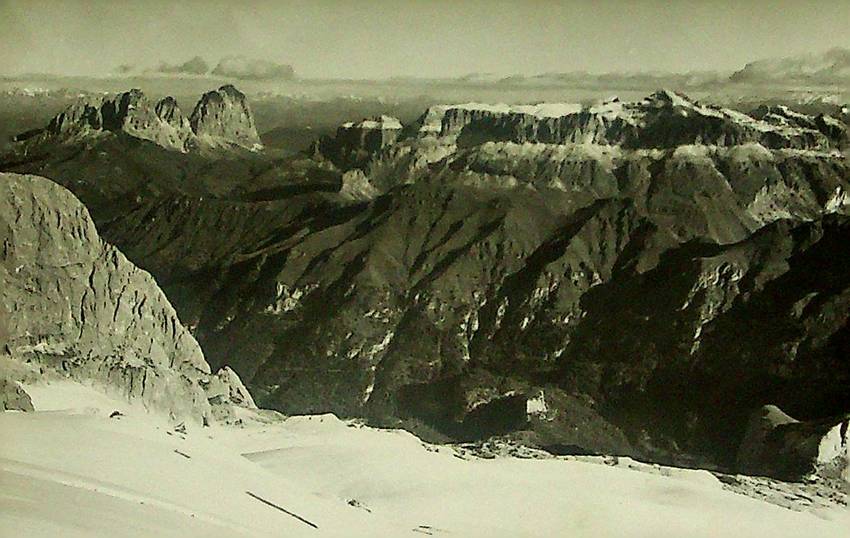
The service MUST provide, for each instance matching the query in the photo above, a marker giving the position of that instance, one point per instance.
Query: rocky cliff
(76, 306)
(355, 143)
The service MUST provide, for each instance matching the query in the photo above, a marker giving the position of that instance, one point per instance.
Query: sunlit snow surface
(69, 470)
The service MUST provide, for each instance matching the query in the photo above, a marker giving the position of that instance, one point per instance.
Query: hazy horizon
(380, 39)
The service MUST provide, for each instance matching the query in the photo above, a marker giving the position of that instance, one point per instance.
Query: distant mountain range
(828, 68)
(625, 277)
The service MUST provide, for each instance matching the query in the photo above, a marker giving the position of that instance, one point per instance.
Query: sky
(425, 38)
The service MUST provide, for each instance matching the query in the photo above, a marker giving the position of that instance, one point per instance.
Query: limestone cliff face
(224, 117)
(664, 119)
(77, 305)
(354, 142)
(130, 112)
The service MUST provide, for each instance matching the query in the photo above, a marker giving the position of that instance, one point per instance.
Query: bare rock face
(354, 143)
(78, 306)
(129, 112)
(180, 133)
(133, 113)
(664, 119)
(782, 447)
(81, 117)
(223, 117)
(510, 136)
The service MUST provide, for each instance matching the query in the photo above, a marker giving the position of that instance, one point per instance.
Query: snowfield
(70, 470)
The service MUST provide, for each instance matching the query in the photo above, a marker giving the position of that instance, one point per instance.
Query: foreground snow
(70, 470)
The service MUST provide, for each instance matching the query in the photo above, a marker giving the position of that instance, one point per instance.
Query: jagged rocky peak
(131, 108)
(223, 117)
(130, 112)
(169, 111)
(133, 113)
(81, 117)
(78, 308)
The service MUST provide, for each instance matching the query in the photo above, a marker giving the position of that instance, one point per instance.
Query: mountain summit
(223, 117)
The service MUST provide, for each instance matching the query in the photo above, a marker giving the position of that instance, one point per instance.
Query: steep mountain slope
(77, 307)
(568, 275)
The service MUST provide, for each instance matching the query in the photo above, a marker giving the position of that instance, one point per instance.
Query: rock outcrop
(81, 118)
(77, 306)
(222, 117)
(782, 447)
(133, 113)
(13, 397)
(129, 112)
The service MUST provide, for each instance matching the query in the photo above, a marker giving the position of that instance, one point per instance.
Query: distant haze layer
(435, 38)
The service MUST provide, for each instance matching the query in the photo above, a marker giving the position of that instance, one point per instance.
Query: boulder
(13, 397)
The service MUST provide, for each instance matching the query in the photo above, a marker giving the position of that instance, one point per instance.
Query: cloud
(243, 68)
(829, 67)
(195, 66)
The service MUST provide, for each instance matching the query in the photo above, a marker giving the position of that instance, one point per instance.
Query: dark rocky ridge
(584, 297)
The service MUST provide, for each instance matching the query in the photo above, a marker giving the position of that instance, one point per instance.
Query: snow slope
(70, 470)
